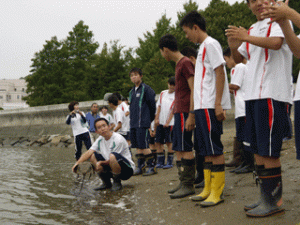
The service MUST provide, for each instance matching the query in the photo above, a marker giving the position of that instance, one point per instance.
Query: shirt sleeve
(150, 98)
(215, 54)
(243, 51)
(238, 77)
(119, 116)
(159, 99)
(276, 31)
(188, 69)
(95, 146)
(120, 145)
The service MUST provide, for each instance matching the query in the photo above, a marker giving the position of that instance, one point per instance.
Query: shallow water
(38, 187)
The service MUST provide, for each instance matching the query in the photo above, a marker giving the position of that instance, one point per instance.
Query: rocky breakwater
(39, 126)
(59, 141)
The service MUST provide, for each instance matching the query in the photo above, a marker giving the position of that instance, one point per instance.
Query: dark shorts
(182, 139)
(126, 169)
(139, 138)
(126, 135)
(208, 133)
(240, 124)
(152, 140)
(163, 134)
(266, 124)
(297, 127)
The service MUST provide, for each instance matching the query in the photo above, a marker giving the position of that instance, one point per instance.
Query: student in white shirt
(164, 122)
(242, 160)
(79, 124)
(268, 91)
(110, 157)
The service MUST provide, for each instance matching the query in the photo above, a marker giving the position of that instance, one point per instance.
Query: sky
(26, 25)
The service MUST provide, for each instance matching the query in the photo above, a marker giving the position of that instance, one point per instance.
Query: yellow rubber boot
(207, 183)
(217, 186)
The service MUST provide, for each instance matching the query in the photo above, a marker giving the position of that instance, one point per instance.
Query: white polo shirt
(297, 91)
(238, 74)
(116, 143)
(269, 74)
(166, 102)
(210, 56)
(119, 116)
(125, 108)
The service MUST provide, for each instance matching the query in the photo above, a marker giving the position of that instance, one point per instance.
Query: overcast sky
(27, 24)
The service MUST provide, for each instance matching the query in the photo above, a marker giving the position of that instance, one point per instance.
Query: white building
(11, 93)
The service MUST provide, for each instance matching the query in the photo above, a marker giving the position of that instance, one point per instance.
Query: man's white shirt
(210, 56)
(269, 70)
(166, 103)
(116, 143)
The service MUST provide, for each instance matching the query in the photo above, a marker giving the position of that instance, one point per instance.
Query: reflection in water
(38, 187)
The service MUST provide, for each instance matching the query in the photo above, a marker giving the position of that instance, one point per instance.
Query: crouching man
(110, 157)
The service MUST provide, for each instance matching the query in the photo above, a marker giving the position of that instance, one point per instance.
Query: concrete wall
(47, 120)
(38, 121)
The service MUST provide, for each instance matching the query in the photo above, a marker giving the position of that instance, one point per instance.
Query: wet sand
(155, 206)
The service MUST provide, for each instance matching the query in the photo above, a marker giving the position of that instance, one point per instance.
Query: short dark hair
(189, 51)
(227, 52)
(104, 107)
(119, 96)
(168, 41)
(99, 119)
(113, 99)
(171, 81)
(94, 104)
(71, 105)
(193, 18)
(136, 70)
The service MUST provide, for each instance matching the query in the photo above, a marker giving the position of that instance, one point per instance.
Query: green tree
(59, 70)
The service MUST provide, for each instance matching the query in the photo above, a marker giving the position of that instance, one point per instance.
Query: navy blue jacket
(142, 106)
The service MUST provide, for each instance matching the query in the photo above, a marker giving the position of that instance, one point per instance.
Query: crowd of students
(195, 103)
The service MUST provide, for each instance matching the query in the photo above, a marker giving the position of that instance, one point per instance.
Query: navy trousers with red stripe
(208, 133)
(266, 124)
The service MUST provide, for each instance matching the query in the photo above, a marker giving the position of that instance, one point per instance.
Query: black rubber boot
(199, 168)
(169, 161)
(271, 194)
(151, 167)
(237, 157)
(187, 179)
(105, 177)
(248, 159)
(179, 168)
(117, 185)
(160, 160)
(256, 174)
(140, 164)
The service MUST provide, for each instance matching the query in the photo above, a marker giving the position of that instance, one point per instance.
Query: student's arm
(118, 127)
(169, 119)
(156, 121)
(150, 101)
(234, 87)
(291, 39)
(220, 80)
(68, 121)
(234, 44)
(190, 121)
(84, 157)
(240, 33)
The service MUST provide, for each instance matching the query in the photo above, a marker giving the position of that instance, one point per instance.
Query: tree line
(70, 69)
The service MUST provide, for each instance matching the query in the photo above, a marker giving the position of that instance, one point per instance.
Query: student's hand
(75, 167)
(190, 122)
(167, 124)
(236, 35)
(278, 11)
(156, 122)
(220, 113)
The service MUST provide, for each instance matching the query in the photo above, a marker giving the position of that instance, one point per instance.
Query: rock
(43, 140)
(65, 138)
(71, 145)
(61, 145)
(56, 140)
(14, 142)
